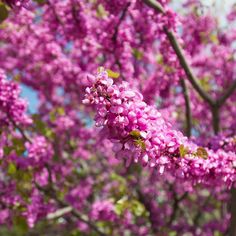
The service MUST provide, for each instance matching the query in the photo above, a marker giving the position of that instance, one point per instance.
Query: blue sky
(31, 96)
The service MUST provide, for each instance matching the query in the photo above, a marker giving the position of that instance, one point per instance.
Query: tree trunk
(232, 209)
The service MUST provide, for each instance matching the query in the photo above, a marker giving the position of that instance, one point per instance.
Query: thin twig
(215, 118)
(16, 126)
(155, 5)
(148, 206)
(176, 206)
(123, 14)
(227, 94)
(187, 69)
(199, 213)
(187, 108)
(54, 12)
(51, 192)
(59, 213)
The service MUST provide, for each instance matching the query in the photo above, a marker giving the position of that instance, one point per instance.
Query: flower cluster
(103, 210)
(140, 134)
(36, 209)
(12, 107)
(69, 18)
(39, 151)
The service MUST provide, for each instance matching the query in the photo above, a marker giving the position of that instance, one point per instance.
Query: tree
(159, 158)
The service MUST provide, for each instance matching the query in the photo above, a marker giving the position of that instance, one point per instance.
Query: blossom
(39, 150)
(140, 134)
(103, 210)
(13, 108)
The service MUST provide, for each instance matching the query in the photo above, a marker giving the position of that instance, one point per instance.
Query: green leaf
(24, 175)
(60, 111)
(3, 12)
(172, 233)
(169, 69)
(43, 128)
(112, 74)
(214, 39)
(18, 146)
(21, 223)
(201, 152)
(135, 134)
(182, 150)
(118, 191)
(121, 206)
(115, 176)
(138, 208)
(11, 169)
(17, 78)
(205, 82)
(217, 233)
(159, 59)
(57, 111)
(49, 133)
(137, 54)
(140, 143)
(39, 124)
(73, 143)
(7, 150)
(40, 1)
(101, 12)
(52, 116)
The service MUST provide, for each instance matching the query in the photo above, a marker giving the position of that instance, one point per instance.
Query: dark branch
(187, 69)
(232, 210)
(51, 192)
(227, 94)
(155, 5)
(175, 207)
(16, 126)
(187, 108)
(180, 54)
(215, 118)
(123, 14)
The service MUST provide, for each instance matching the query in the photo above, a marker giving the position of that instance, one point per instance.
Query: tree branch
(123, 14)
(199, 213)
(180, 54)
(148, 206)
(155, 5)
(175, 206)
(51, 192)
(16, 126)
(187, 108)
(227, 94)
(59, 213)
(215, 118)
(115, 34)
(187, 69)
(232, 209)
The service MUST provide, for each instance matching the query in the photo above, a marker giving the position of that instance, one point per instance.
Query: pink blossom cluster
(37, 209)
(103, 210)
(39, 150)
(13, 108)
(140, 134)
(78, 194)
(68, 18)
